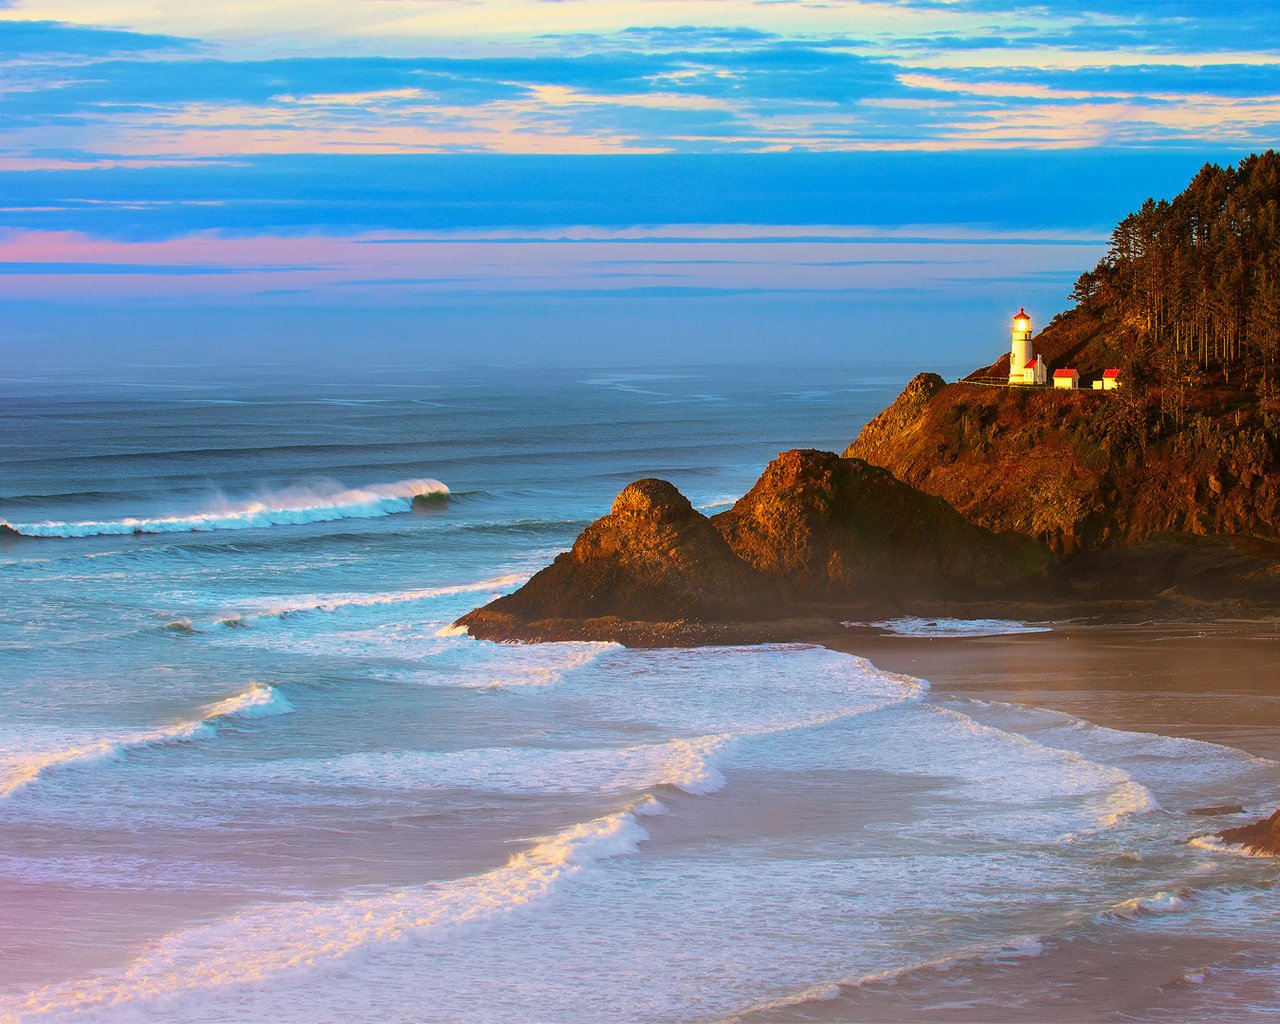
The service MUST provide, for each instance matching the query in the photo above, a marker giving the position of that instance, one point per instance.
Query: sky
(629, 182)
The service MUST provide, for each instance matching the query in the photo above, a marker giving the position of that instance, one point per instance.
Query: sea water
(249, 772)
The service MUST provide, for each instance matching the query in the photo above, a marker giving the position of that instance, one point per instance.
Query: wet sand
(1218, 683)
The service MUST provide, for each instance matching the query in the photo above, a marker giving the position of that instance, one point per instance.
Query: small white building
(1110, 379)
(1066, 378)
(1035, 372)
(1020, 353)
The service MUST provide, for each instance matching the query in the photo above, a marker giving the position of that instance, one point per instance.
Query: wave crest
(246, 947)
(293, 506)
(24, 767)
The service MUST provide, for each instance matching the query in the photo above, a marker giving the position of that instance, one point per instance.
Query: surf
(249, 947)
(24, 768)
(294, 506)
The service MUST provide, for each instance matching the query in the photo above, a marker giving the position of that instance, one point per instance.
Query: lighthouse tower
(1020, 352)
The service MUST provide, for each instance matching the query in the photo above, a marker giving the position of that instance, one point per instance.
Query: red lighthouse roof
(1021, 314)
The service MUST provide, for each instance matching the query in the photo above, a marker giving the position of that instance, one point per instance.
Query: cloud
(56, 40)
(639, 76)
(664, 261)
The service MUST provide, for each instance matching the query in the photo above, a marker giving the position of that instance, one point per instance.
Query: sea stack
(653, 559)
(818, 539)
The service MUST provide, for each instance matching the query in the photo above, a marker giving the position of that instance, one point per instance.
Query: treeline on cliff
(1188, 296)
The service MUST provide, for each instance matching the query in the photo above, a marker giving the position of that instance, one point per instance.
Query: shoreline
(1215, 681)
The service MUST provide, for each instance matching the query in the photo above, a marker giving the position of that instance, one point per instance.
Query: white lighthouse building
(1024, 367)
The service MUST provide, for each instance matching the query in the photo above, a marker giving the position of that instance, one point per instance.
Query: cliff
(1161, 497)
(1186, 304)
(816, 536)
(1081, 470)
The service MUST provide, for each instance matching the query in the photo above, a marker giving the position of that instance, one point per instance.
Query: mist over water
(250, 774)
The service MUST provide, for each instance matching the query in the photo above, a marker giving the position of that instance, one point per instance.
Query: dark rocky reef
(815, 538)
(1262, 837)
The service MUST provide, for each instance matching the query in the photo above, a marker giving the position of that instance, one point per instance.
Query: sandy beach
(1217, 683)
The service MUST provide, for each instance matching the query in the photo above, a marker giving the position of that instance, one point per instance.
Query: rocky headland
(1158, 499)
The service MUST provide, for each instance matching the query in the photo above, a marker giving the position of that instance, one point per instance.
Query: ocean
(249, 773)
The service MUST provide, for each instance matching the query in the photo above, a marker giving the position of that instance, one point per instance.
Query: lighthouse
(1020, 355)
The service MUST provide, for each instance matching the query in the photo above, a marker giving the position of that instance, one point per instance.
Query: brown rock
(1217, 809)
(888, 429)
(653, 558)
(826, 528)
(816, 535)
(1261, 837)
(1080, 470)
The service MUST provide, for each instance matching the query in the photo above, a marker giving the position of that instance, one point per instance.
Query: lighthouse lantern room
(1020, 355)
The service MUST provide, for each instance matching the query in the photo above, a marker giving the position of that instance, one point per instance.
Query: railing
(991, 382)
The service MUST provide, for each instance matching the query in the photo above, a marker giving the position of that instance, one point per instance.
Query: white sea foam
(726, 501)
(247, 948)
(319, 503)
(259, 701)
(529, 666)
(1113, 793)
(1157, 903)
(277, 608)
(914, 626)
(686, 764)
(1022, 947)
(23, 761)
(1214, 844)
(1174, 769)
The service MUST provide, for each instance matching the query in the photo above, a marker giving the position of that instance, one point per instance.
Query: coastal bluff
(818, 538)
(1081, 471)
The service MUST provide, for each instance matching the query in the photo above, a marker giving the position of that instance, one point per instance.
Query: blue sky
(565, 180)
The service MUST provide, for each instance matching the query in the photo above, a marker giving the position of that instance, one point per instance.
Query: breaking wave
(20, 768)
(684, 764)
(292, 506)
(247, 948)
(279, 609)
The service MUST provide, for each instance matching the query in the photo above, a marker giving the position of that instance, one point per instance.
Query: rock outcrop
(1261, 837)
(652, 559)
(831, 529)
(815, 537)
(1080, 470)
(886, 431)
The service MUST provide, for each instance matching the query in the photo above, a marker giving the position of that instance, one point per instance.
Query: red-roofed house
(1110, 379)
(1035, 372)
(1066, 378)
